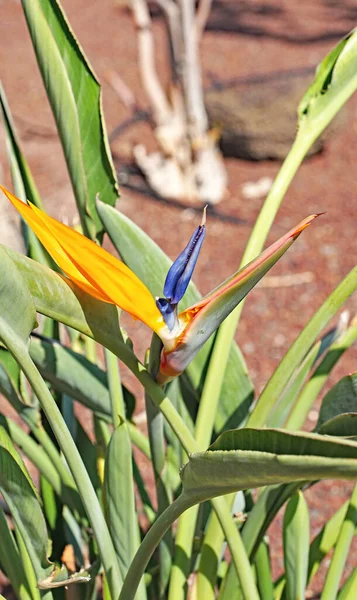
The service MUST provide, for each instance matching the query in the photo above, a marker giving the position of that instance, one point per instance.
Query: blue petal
(181, 271)
(168, 311)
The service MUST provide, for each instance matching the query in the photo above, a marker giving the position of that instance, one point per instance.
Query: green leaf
(249, 458)
(72, 373)
(20, 494)
(24, 185)
(335, 82)
(340, 555)
(325, 540)
(296, 535)
(289, 400)
(318, 378)
(14, 333)
(10, 380)
(17, 319)
(279, 415)
(120, 500)
(263, 572)
(89, 454)
(243, 459)
(75, 97)
(344, 425)
(341, 398)
(10, 561)
(349, 589)
(151, 265)
(34, 452)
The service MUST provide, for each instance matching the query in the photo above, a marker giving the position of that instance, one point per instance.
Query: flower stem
(148, 545)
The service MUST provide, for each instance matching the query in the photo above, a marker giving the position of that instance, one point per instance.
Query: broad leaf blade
(343, 425)
(73, 374)
(23, 181)
(151, 265)
(249, 458)
(75, 98)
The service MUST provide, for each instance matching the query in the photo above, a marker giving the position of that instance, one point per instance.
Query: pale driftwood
(146, 57)
(189, 164)
(202, 14)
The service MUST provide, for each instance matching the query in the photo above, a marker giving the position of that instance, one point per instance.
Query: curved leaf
(75, 98)
(23, 181)
(341, 398)
(249, 458)
(335, 81)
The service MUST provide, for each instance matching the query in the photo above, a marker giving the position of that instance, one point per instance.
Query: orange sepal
(90, 266)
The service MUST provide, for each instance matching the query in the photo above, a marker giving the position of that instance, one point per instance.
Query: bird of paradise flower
(108, 279)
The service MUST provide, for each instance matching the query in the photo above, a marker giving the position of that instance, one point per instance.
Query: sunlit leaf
(75, 97)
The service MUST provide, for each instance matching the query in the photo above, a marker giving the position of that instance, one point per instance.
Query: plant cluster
(211, 443)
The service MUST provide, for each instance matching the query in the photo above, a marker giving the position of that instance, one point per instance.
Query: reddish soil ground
(244, 39)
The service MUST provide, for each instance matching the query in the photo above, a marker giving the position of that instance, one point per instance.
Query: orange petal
(52, 246)
(90, 266)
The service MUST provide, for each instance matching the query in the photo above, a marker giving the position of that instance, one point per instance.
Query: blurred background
(257, 60)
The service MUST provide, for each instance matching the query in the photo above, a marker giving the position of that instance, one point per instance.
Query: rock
(258, 116)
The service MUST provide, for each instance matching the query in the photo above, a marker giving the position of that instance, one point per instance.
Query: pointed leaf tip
(304, 224)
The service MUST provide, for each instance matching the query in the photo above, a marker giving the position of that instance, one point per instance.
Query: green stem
(77, 468)
(187, 523)
(239, 554)
(340, 555)
(149, 543)
(47, 444)
(155, 424)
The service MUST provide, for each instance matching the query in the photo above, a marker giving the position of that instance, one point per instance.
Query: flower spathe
(107, 278)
